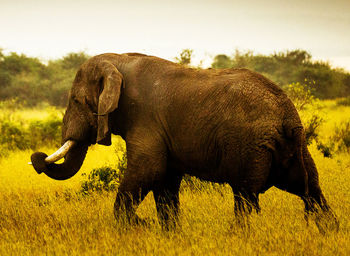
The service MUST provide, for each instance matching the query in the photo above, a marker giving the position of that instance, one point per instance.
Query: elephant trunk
(74, 155)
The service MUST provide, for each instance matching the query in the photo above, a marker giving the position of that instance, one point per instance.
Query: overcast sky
(50, 29)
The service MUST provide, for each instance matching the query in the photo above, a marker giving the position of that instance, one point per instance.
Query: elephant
(229, 126)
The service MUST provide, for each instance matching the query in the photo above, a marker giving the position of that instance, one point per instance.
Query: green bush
(46, 131)
(311, 128)
(101, 179)
(105, 178)
(325, 149)
(300, 94)
(13, 135)
(344, 102)
(17, 134)
(12, 104)
(307, 106)
(342, 136)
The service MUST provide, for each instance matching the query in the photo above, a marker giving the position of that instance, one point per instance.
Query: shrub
(300, 94)
(13, 135)
(105, 178)
(185, 57)
(342, 136)
(306, 103)
(101, 179)
(46, 131)
(311, 128)
(344, 102)
(20, 134)
(325, 149)
(11, 104)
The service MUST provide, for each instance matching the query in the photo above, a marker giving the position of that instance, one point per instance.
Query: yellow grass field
(41, 216)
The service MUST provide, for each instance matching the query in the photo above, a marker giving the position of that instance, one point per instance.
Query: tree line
(292, 67)
(29, 82)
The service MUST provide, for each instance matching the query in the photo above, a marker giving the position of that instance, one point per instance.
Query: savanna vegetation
(28, 82)
(289, 67)
(39, 215)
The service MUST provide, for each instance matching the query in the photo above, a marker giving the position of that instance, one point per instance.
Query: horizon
(202, 63)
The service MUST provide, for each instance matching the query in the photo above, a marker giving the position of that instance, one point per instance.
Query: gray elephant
(229, 126)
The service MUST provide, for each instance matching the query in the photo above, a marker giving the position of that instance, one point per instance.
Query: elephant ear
(111, 82)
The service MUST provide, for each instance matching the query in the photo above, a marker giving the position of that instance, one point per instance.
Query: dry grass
(42, 216)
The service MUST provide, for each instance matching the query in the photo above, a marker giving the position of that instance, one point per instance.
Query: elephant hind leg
(315, 203)
(302, 180)
(252, 181)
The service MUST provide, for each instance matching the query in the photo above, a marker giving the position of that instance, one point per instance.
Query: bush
(105, 178)
(325, 149)
(311, 128)
(300, 94)
(344, 102)
(13, 136)
(306, 104)
(185, 57)
(46, 131)
(101, 179)
(19, 134)
(342, 136)
(11, 104)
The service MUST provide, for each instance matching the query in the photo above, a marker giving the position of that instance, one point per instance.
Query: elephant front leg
(126, 204)
(146, 165)
(166, 196)
(244, 204)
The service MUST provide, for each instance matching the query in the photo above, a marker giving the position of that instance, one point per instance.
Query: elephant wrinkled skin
(230, 126)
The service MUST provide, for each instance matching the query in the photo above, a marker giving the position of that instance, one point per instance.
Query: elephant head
(94, 95)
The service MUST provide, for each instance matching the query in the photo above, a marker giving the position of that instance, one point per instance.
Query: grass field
(40, 216)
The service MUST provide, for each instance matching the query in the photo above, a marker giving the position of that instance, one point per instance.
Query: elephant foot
(326, 221)
(241, 226)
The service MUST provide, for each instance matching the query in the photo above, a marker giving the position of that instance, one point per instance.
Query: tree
(185, 57)
(31, 82)
(290, 67)
(74, 60)
(221, 61)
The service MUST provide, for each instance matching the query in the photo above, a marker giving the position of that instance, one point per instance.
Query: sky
(50, 29)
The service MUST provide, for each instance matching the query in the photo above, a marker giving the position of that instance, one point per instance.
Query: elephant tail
(297, 175)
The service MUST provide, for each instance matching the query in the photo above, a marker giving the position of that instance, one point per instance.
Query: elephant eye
(75, 100)
(90, 105)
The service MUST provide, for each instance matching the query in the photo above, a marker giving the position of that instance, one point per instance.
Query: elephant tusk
(61, 152)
